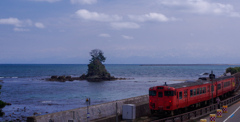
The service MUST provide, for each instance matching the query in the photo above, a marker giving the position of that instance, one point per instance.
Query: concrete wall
(97, 112)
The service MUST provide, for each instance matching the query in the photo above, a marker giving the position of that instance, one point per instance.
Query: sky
(127, 31)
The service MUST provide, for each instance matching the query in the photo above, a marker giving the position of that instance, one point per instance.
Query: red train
(180, 97)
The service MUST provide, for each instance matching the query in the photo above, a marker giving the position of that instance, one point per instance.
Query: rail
(196, 114)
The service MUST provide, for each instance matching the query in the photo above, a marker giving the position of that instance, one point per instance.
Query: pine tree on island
(96, 70)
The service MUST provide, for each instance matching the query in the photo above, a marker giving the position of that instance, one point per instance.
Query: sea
(25, 87)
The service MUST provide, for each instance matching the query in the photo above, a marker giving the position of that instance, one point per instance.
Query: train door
(186, 97)
(233, 84)
(209, 93)
(177, 102)
(222, 88)
(181, 99)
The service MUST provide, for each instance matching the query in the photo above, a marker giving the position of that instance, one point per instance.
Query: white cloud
(87, 15)
(50, 1)
(83, 1)
(202, 7)
(150, 17)
(125, 25)
(16, 22)
(127, 37)
(19, 24)
(20, 29)
(104, 35)
(39, 25)
(11, 21)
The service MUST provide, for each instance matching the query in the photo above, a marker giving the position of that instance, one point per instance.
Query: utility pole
(88, 103)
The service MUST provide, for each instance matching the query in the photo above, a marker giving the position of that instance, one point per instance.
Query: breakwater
(101, 112)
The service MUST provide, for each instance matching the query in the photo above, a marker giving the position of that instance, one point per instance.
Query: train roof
(197, 82)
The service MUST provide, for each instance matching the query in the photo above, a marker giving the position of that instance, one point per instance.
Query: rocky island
(96, 70)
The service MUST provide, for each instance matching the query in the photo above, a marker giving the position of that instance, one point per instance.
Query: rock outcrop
(97, 72)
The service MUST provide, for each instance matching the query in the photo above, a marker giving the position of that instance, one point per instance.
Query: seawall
(101, 112)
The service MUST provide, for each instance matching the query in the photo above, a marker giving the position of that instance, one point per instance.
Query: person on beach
(218, 102)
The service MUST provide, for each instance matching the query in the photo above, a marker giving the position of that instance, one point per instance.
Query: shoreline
(188, 64)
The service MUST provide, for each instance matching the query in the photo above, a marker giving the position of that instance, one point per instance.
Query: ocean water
(23, 85)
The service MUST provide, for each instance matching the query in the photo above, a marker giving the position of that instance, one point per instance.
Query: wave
(46, 101)
(9, 77)
(1, 77)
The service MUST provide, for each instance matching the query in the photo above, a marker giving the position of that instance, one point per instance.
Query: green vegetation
(233, 70)
(97, 55)
(96, 70)
(2, 104)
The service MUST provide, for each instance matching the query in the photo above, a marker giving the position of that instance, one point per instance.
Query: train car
(177, 98)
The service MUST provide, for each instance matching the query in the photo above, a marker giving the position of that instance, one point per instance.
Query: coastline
(24, 85)
(188, 64)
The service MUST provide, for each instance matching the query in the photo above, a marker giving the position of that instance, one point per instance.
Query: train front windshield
(152, 93)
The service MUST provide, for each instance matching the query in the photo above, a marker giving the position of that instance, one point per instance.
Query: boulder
(54, 77)
(83, 76)
(61, 77)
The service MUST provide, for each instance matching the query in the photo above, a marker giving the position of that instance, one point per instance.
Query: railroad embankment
(106, 112)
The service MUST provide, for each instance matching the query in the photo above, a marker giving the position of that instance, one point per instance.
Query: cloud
(11, 21)
(16, 22)
(127, 37)
(20, 24)
(104, 35)
(125, 25)
(83, 1)
(20, 29)
(39, 25)
(50, 1)
(150, 17)
(201, 7)
(94, 16)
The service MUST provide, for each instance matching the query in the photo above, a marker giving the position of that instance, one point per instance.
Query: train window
(191, 92)
(180, 95)
(194, 91)
(159, 87)
(169, 93)
(197, 91)
(160, 94)
(200, 90)
(219, 86)
(204, 89)
(226, 84)
(185, 93)
(212, 88)
(152, 93)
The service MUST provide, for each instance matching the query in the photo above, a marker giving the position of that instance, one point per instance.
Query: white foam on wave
(14, 77)
(46, 101)
(1, 77)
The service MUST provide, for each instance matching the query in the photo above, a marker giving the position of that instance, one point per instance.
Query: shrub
(233, 70)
